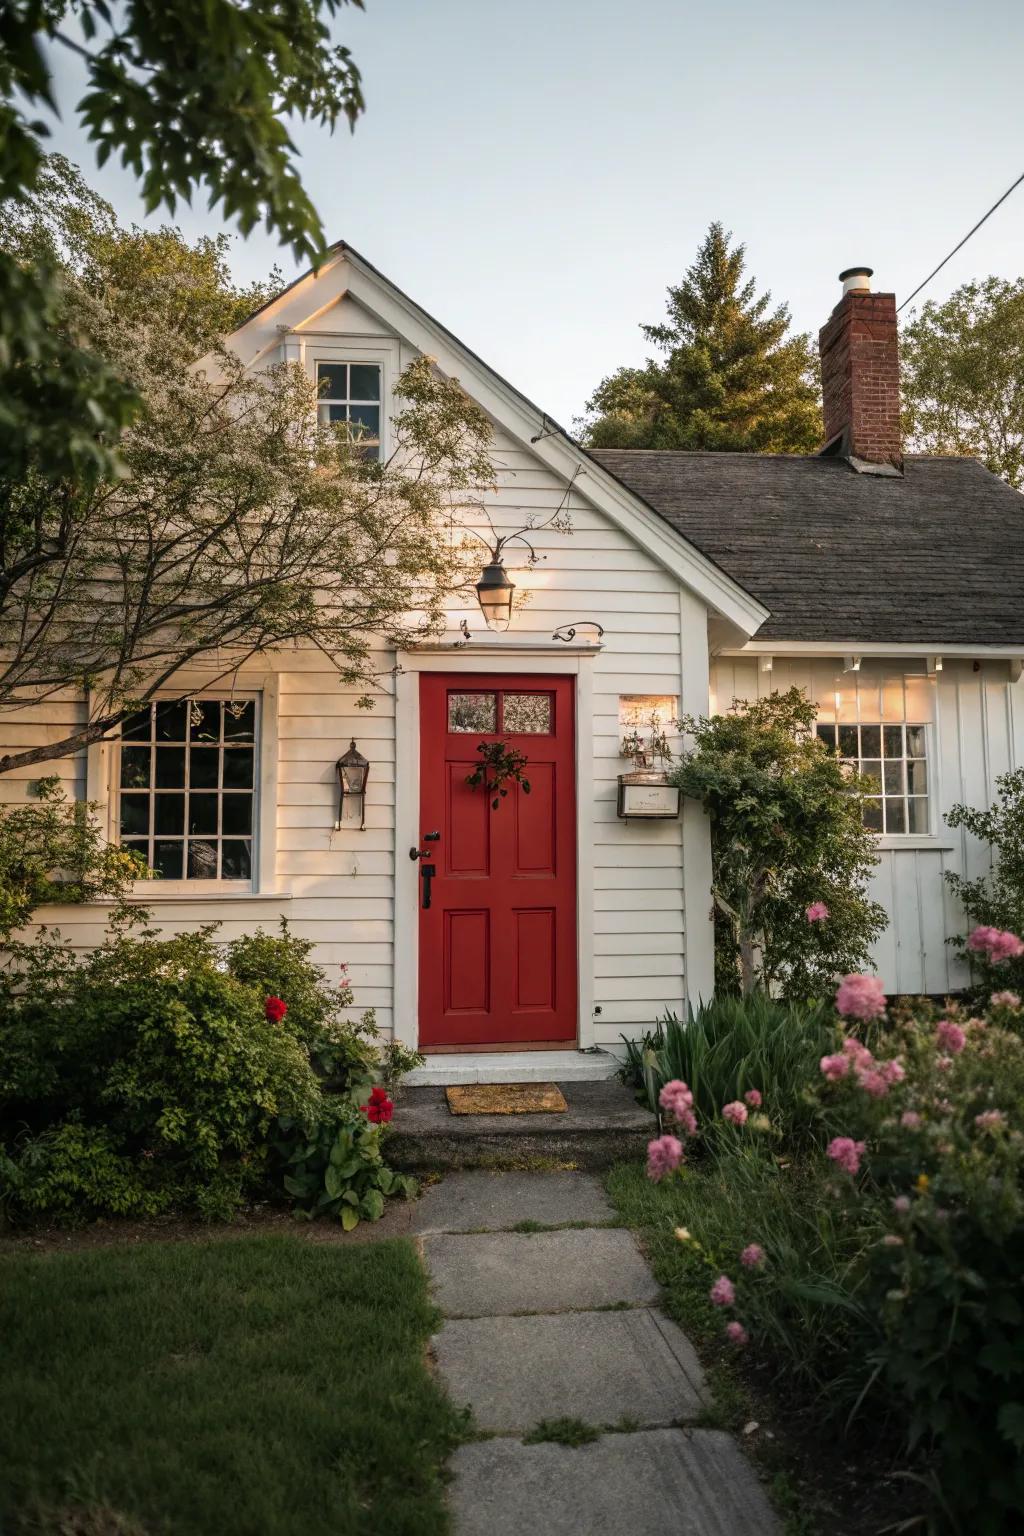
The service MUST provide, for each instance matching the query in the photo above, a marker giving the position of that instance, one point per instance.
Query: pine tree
(733, 378)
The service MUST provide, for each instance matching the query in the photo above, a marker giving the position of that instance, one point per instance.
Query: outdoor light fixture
(494, 593)
(353, 770)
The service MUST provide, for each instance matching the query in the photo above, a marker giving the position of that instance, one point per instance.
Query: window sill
(148, 896)
(910, 842)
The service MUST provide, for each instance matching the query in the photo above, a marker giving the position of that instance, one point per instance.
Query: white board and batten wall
(973, 712)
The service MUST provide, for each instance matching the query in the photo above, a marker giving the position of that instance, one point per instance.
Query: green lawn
(244, 1387)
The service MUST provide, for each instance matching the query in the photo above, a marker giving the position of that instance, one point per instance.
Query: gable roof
(345, 271)
(935, 556)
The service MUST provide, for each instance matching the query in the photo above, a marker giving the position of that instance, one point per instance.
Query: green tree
(787, 832)
(733, 378)
(963, 376)
(237, 522)
(190, 96)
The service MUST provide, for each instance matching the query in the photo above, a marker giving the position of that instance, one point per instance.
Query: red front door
(498, 939)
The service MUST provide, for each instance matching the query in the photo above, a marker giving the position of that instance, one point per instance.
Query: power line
(963, 242)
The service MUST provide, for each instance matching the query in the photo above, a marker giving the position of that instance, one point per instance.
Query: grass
(571, 1432)
(263, 1385)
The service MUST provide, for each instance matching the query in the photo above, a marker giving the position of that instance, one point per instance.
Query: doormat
(506, 1099)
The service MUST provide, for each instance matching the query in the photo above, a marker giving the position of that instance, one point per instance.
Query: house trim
(489, 657)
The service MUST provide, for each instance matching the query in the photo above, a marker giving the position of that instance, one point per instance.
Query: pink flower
(723, 1292)
(1006, 946)
(892, 1071)
(943, 1063)
(910, 1119)
(846, 1152)
(860, 997)
(675, 1096)
(817, 912)
(873, 1083)
(950, 1036)
(901, 1204)
(997, 943)
(990, 1120)
(753, 1098)
(858, 1053)
(736, 1112)
(737, 1333)
(891, 1240)
(752, 1255)
(835, 1067)
(677, 1100)
(663, 1157)
(1004, 1000)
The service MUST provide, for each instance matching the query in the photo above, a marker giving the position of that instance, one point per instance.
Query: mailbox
(647, 795)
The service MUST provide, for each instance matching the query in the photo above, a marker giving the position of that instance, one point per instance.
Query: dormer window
(350, 393)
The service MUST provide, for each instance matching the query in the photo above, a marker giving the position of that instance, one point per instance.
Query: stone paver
(524, 1339)
(491, 1274)
(596, 1366)
(479, 1202)
(658, 1482)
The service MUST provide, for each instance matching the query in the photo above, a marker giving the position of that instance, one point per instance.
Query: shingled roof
(935, 556)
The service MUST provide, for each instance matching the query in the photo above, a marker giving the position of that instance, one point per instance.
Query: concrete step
(448, 1070)
(602, 1125)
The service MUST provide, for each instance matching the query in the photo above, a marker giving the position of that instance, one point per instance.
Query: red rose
(275, 1009)
(380, 1108)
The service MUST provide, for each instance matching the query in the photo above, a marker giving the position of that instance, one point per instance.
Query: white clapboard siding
(977, 733)
(337, 888)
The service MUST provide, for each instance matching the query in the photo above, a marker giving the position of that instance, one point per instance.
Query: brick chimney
(860, 375)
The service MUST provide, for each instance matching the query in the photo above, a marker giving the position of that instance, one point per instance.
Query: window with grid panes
(895, 758)
(187, 777)
(350, 393)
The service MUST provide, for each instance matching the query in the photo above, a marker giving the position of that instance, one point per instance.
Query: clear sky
(536, 173)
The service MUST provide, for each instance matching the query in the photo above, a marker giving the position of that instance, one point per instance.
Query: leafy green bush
(733, 1045)
(787, 837)
(995, 900)
(51, 850)
(159, 1073)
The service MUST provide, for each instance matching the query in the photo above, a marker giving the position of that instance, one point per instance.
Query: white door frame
(493, 655)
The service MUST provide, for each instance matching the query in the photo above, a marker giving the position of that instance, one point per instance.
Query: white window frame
(103, 788)
(376, 352)
(885, 837)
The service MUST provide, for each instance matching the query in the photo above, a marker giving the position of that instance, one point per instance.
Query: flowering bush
(883, 1269)
(169, 1073)
(994, 903)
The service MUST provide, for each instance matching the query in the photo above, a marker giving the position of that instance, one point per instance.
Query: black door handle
(427, 871)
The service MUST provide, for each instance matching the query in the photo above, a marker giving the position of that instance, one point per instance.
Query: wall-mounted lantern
(494, 593)
(353, 770)
(647, 795)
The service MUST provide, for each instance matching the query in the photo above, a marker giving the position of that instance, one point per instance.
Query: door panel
(498, 939)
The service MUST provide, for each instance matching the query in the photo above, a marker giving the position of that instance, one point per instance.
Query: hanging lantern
(353, 770)
(494, 593)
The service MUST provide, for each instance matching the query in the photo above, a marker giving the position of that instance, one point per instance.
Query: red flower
(275, 1009)
(380, 1108)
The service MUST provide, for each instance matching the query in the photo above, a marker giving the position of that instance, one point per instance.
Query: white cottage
(688, 579)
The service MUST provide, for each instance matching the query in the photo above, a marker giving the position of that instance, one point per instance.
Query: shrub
(155, 1073)
(995, 900)
(733, 1045)
(53, 851)
(787, 834)
(884, 1270)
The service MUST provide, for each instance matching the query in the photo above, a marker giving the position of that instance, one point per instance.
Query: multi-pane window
(350, 393)
(186, 795)
(894, 757)
(511, 713)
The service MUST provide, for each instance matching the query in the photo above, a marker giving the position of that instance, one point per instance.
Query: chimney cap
(856, 277)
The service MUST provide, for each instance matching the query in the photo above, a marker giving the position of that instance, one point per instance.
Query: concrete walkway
(563, 1324)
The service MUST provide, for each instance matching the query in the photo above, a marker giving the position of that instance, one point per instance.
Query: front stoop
(448, 1069)
(603, 1125)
